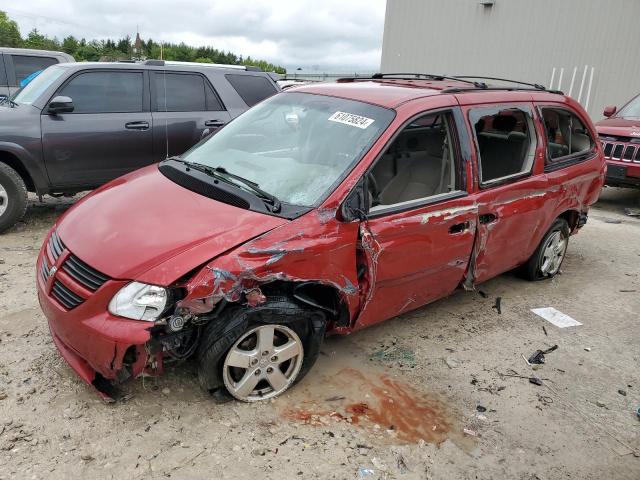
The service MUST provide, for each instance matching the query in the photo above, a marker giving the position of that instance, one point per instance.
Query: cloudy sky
(331, 34)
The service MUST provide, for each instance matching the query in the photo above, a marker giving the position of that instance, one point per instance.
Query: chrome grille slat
(84, 274)
(55, 245)
(44, 270)
(64, 296)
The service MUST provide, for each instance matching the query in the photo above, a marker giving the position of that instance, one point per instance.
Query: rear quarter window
(251, 88)
(567, 136)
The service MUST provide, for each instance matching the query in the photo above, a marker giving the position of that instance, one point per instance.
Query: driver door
(417, 241)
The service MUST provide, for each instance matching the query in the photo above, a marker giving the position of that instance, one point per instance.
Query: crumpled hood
(130, 227)
(621, 127)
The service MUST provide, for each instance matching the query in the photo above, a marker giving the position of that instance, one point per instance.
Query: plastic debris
(622, 392)
(556, 317)
(538, 355)
(481, 409)
(535, 381)
(364, 472)
(471, 433)
(600, 403)
(498, 305)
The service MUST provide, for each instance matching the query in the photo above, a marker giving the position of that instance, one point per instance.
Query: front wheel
(548, 257)
(13, 197)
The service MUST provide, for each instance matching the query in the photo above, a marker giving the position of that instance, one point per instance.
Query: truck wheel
(13, 197)
(548, 257)
(257, 353)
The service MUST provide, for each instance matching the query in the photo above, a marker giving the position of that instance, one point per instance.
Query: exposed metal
(583, 47)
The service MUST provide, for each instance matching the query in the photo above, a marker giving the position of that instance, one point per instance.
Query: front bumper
(623, 174)
(98, 346)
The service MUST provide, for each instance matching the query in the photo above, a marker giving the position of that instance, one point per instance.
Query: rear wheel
(548, 257)
(13, 197)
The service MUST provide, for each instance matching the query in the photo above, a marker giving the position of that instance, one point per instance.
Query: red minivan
(324, 209)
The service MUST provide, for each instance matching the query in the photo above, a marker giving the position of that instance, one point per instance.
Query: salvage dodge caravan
(324, 209)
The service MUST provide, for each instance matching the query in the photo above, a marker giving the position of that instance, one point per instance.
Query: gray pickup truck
(76, 126)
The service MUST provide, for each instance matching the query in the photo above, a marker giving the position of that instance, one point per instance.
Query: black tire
(220, 335)
(16, 191)
(532, 270)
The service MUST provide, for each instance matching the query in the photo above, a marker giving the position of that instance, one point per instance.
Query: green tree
(9, 32)
(70, 45)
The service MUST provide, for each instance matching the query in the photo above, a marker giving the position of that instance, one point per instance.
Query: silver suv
(18, 64)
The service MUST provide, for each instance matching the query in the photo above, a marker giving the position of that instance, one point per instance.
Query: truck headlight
(139, 301)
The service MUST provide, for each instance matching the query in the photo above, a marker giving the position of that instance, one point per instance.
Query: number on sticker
(351, 119)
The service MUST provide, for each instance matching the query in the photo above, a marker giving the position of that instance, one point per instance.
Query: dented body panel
(377, 266)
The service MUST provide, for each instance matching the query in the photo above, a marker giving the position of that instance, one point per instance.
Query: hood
(132, 225)
(618, 126)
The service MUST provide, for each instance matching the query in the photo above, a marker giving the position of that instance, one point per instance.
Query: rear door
(107, 135)
(417, 241)
(185, 108)
(511, 186)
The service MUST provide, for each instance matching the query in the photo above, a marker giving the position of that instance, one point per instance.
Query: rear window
(566, 134)
(25, 65)
(251, 88)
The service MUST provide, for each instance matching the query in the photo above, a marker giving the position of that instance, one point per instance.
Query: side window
(566, 134)
(420, 163)
(3, 73)
(105, 92)
(251, 88)
(178, 92)
(25, 65)
(506, 142)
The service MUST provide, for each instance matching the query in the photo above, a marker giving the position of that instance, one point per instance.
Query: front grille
(621, 149)
(64, 296)
(44, 270)
(55, 245)
(82, 273)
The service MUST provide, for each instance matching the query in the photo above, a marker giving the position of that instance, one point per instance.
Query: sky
(329, 35)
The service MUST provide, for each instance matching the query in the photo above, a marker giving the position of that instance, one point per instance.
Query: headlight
(139, 301)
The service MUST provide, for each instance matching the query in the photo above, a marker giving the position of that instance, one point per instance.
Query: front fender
(33, 165)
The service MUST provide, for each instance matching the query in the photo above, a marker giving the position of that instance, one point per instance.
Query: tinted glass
(251, 88)
(505, 140)
(213, 102)
(105, 92)
(3, 73)
(632, 110)
(38, 85)
(295, 146)
(566, 134)
(176, 92)
(25, 65)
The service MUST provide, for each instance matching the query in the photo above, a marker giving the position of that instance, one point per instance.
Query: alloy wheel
(553, 253)
(4, 200)
(263, 363)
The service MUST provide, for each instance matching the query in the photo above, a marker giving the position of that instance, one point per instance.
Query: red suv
(324, 209)
(620, 136)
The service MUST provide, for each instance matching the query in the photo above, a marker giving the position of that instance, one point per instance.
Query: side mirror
(356, 205)
(60, 104)
(609, 111)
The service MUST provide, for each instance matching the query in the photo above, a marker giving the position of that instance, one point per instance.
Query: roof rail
(411, 76)
(162, 63)
(498, 89)
(536, 86)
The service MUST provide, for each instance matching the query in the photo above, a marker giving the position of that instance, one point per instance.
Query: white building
(587, 48)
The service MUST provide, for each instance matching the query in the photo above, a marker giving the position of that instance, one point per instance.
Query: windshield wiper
(222, 174)
(8, 100)
(266, 196)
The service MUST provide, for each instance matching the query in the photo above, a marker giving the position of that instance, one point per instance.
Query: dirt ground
(393, 401)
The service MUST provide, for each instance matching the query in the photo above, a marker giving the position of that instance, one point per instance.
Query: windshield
(295, 146)
(32, 91)
(631, 110)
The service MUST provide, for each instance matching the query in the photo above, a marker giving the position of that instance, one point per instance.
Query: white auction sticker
(351, 119)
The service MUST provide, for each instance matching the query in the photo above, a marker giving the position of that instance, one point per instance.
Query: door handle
(488, 218)
(137, 126)
(214, 123)
(458, 228)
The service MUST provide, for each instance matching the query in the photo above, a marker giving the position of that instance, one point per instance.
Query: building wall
(523, 40)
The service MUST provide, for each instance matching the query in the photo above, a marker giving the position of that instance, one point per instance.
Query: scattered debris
(538, 355)
(587, 349)
(395, 354)
(3, 395)
(622, 392)
(483, 294)
(471, 433)
(481, 409)
(628, 291)
(87, 457)
(364, 472)
(498, 305)
(545, 331)
(611, 220)
(556, 317)
(334, 399)
(600, 403)
(452, 362)
(632, 212)
(535, 381)
(525, 360)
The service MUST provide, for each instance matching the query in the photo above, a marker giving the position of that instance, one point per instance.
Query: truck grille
(621, 149)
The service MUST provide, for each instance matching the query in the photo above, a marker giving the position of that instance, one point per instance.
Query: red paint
(144, 227)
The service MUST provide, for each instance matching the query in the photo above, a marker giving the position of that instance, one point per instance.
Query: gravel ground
(424, 395)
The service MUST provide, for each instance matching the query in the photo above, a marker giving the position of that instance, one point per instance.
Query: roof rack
(412, 76)
(162, 63)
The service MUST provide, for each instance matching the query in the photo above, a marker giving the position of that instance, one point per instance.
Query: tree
(9, 32)
(70, 45)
